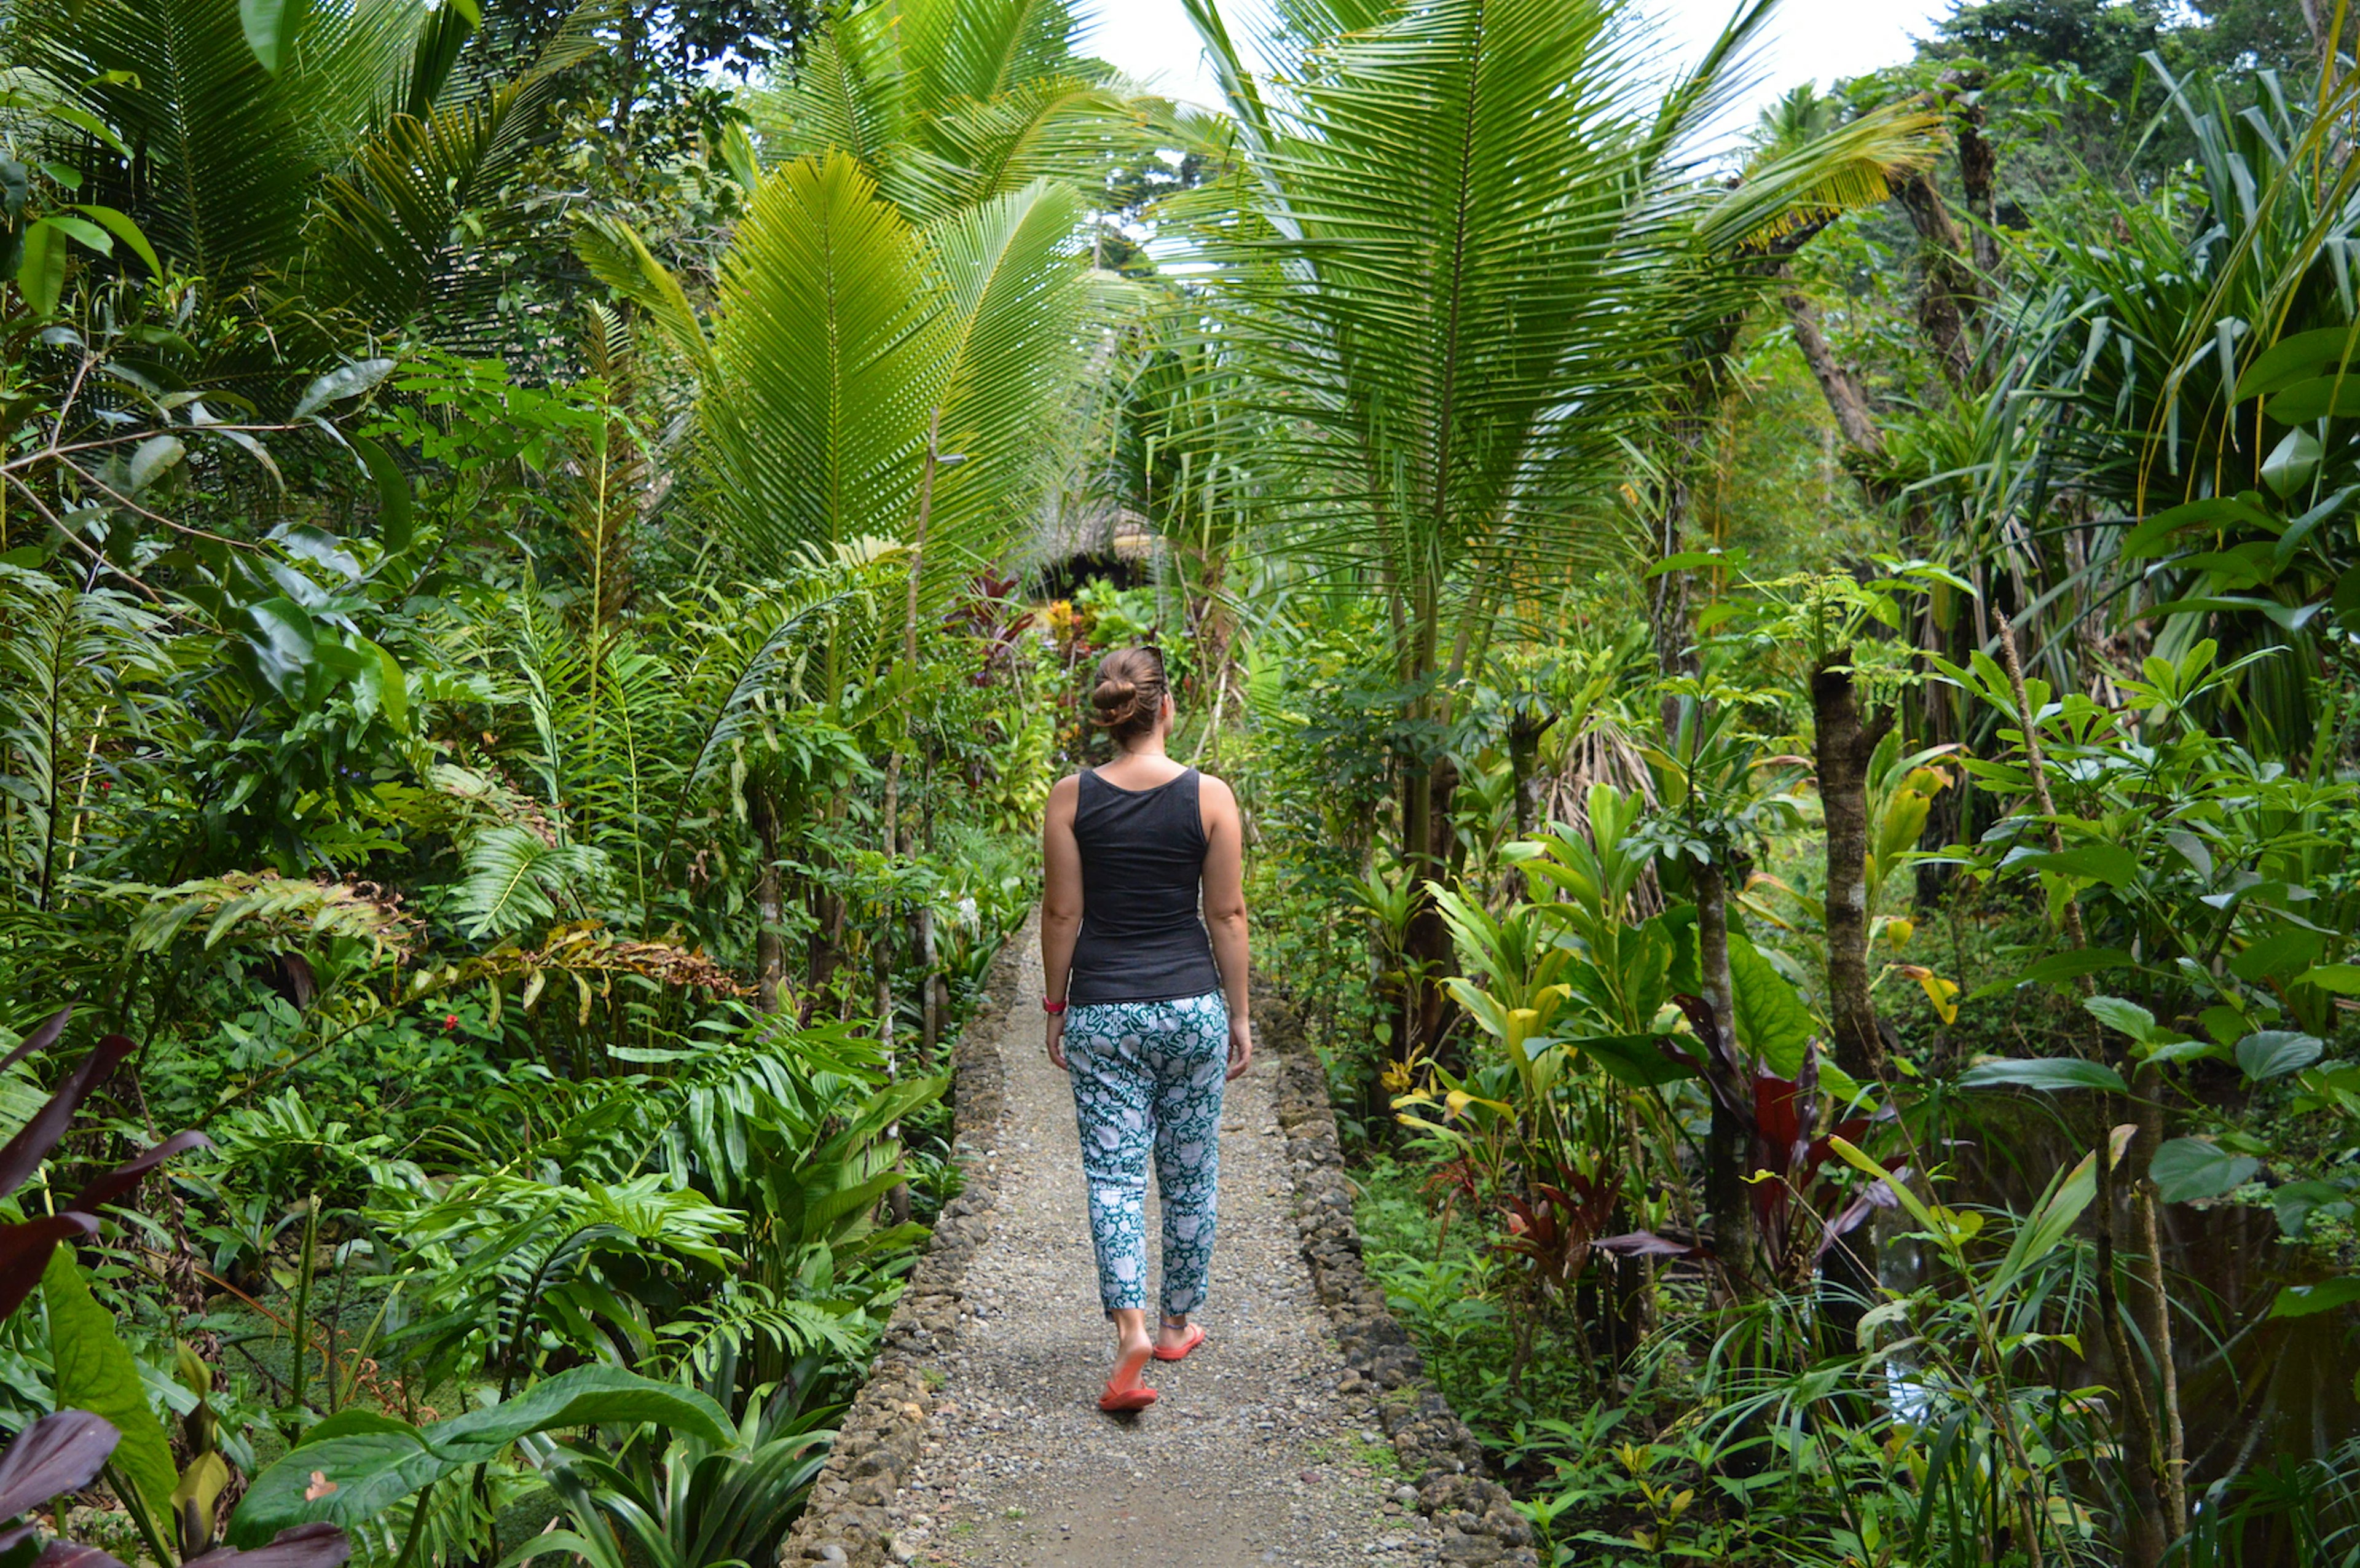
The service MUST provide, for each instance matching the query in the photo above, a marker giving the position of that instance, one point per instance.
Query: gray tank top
(1142, 872)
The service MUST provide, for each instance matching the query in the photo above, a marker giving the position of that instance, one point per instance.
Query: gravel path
(1252, 1457)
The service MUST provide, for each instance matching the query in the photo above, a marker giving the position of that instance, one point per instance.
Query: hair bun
(1129, 692)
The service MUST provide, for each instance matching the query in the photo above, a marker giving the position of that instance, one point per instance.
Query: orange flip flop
(1136, 1396)
(1196, 1337)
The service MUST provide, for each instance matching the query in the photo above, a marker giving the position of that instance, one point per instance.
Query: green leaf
(285, 644)
(2272, 1054)
(2307, 1301)
(2343, 979)
(344, 381)
(2307, 400)
(41, 267)
(374, 1461)
(153, 457)
(2047, 1074)
(88, 234)
(1771, 1020)
(393, 686)
(2295, 1202)
(121, 226)
(2293, 359)
(394, 501)
(2123, 1017)
(2109, 863)
(2067, 1195)
(586, 1396)
(271, 29)
(2058, 968)
(2153, 537)
(2187, 1169)
(1632, 1059)
(2294, 460)
(2347, 597)
(96, 1372)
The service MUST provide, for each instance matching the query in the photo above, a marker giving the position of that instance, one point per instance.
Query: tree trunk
(769, 907)
(1843, 746)
(1729, 1141)
(2147, 1534)
(1949, 298)
(1978, 171)
(1426, 944)
(1525, 733)
(1846, 399)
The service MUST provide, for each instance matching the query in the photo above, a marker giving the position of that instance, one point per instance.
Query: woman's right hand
(1240, 1046)
(1056, 1038)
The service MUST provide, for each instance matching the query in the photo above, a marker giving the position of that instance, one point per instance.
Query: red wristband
(1049, 1007)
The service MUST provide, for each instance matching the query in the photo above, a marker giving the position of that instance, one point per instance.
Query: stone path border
(880, 1436)
(883, 1433)
(1479, 1520)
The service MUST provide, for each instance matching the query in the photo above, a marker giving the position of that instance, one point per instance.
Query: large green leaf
(2304, 1301)
(374, 1461)
(2187, 1169)
(271, 29)
(1633, 1058)
(1772, 1020)
(2273, 1053)
(2297, 358)
(94, 1371)
(2049, 1074)
(2096, 862)
(41, 267)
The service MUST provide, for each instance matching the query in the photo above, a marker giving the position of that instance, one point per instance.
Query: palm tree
(324, 166)
(948, 103)
(1473, 265)
(908, 287)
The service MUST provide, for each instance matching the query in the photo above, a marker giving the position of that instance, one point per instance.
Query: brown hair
(1130, 693)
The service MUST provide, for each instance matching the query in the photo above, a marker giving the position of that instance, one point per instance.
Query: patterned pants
(1150, 1074)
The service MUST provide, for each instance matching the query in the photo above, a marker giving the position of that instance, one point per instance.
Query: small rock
(1406, 1494)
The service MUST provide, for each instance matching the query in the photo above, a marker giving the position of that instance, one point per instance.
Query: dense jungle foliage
(1798, 702)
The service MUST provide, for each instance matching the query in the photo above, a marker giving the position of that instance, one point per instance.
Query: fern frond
(264, 910)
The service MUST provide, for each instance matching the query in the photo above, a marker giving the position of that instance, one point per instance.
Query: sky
(1819, 39)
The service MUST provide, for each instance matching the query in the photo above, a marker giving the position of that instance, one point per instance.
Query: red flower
(450, 1021)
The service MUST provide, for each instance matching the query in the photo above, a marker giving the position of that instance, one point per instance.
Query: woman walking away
(1146, 1012)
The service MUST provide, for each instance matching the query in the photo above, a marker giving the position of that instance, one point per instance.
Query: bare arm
(1225, 912)
(1061, 904)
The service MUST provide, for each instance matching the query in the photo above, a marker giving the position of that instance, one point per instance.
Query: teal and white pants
(1149, 1077)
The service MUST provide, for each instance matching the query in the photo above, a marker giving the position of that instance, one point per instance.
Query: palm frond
(1016, 290)
(823, 344)
(1848, 169)
(512, 878)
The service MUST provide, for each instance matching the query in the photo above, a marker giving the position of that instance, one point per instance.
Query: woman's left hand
(1057, 1036)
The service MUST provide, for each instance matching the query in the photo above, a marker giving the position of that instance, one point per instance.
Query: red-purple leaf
(1876, 1195)
(1647, 1244)
(316, 1545)
(57, 1455)
(25, 1251)
(125, 1177)
(75, 1554)
(40, 1039)
(25, 1152)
